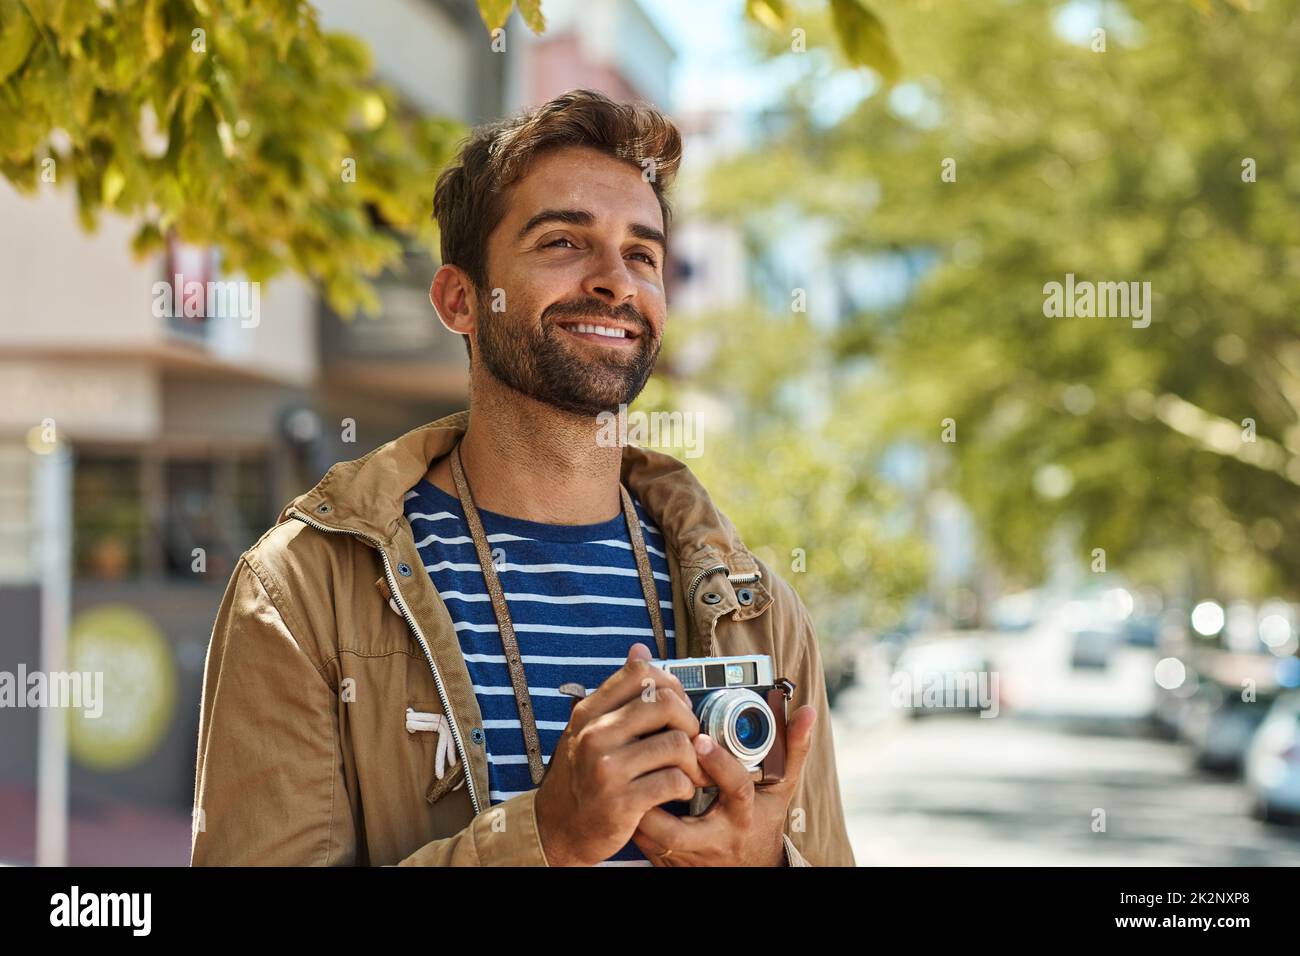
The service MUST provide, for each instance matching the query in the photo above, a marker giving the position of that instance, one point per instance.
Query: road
(1025, 787)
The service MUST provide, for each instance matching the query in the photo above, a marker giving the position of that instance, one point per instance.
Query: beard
(539, 360)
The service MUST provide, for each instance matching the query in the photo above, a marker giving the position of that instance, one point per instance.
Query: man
(437, 656)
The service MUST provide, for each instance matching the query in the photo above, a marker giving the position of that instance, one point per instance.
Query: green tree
(239, 124)
(1025, 146)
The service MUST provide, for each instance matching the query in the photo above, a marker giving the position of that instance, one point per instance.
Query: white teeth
(599, 330)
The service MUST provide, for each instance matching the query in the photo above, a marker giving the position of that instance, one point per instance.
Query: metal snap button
(745, 596)
(404, 569)
(712, 597)
(476, 735)
(324, 509)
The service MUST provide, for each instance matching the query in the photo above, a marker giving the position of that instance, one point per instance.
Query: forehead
(578, 177)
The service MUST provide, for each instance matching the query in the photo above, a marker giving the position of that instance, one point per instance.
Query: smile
(605, 334)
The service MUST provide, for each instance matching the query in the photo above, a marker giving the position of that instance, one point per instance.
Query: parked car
(1142, 631)
(1220, 726)
(1273, 762)
(945, 674)
(1092, 646)
(840, 670)
(1017, 612)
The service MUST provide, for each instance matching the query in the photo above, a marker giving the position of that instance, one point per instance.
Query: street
(1029, 787)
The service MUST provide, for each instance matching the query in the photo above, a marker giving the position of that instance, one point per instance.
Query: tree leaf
(17, 35)
(154, 25)
(531, 11)
(495, 13)
(773, 14)
(864, 39)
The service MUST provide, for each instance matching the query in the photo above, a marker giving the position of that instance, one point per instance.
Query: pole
(53, 475)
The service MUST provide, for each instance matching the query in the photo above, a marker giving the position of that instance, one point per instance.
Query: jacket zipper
(419, 636)
(700, 576)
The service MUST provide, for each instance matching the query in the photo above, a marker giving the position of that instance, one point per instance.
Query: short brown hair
(470, 199)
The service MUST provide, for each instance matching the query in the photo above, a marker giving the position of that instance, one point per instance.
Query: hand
(744, 824)
(627, 748)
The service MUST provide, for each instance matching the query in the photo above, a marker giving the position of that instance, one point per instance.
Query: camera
(739, 705)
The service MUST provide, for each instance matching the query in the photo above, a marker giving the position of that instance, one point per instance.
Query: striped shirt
(577, 606)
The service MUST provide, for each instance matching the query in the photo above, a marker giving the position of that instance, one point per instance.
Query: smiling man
(438, 655)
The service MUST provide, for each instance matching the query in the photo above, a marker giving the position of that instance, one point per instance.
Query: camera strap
(527, 722)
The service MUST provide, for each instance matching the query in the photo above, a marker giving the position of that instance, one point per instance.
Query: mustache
(593, 309)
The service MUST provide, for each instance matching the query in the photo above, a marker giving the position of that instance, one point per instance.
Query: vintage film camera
(740, 706)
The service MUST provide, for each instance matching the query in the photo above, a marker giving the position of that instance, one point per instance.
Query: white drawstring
(437, 722)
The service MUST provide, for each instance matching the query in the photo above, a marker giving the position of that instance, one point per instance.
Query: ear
(452, 296)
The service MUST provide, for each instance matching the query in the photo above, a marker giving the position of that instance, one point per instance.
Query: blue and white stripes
(577, 607)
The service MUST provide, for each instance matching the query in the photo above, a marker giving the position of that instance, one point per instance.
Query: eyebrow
(581, 217)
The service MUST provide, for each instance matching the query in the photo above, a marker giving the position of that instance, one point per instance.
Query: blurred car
(1173, 705)
(1220, 726)
(1142, 630)
(1092, 646)
(945, 674)
(839, 666)
(1017, 612)
(1273, 762)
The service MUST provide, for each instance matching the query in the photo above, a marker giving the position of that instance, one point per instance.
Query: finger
(665, 830)
(648, 791)
(651, 850)
(639, 717)
(635, 678)
(668, 748)
(729, 774)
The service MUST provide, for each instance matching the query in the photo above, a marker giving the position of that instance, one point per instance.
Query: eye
(650, 260)
(556, 242)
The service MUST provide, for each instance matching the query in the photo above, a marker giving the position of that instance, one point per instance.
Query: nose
(609, 279)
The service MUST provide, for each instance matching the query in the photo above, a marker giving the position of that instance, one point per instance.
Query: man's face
(581, 245)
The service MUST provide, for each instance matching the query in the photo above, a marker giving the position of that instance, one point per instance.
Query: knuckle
(602, 771)
(683, 788)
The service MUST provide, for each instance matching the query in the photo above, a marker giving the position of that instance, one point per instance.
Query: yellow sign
(139, 686)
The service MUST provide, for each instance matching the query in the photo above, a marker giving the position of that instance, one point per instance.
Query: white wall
(62, 286)
(425, 54)
(87, 398)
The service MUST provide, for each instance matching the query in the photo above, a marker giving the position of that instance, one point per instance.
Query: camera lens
(739, 720)
(751, 727)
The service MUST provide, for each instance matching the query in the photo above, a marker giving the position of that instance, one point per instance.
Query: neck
(528, 460)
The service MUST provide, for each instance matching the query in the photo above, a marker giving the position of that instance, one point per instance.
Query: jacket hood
(365, 495)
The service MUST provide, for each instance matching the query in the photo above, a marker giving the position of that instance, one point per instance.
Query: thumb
(798, 741)
(639, 652)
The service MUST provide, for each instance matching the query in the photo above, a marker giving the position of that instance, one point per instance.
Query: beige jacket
(330, 629)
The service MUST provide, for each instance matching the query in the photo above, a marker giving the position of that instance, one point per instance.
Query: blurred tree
(238, 124)
(1140, 141)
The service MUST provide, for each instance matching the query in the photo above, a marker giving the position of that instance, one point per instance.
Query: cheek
(654, 305)
(540, 287)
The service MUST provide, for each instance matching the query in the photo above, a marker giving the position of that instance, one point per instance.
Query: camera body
(741, 706)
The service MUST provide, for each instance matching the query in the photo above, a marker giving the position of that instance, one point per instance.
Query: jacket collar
(365, 496)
